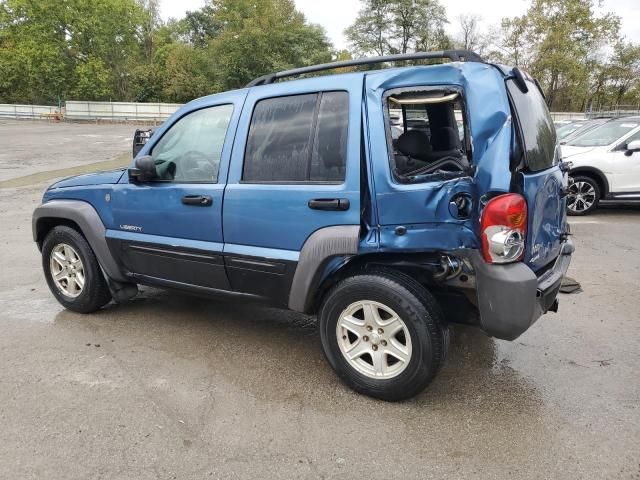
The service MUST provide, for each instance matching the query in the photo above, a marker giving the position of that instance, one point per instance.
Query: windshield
(605, 134)
(567, 129)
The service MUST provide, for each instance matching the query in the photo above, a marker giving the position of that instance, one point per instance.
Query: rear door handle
(340, 204)
(197, 200)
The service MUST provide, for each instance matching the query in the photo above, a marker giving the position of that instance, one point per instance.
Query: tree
(262, 37)
(371, 30)
(623, 70)
(556, 40)
(398, 26)
(198, 27)
(150, 25)
(51, 49)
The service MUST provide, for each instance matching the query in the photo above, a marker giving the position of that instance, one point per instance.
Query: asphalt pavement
(171, 386)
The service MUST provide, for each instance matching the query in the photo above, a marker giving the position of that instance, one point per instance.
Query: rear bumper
(511, 297)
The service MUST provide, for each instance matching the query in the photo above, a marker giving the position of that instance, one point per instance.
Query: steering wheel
(192, 157)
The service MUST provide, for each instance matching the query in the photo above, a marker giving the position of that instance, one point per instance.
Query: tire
(584, 195)
(425, 334)
(62, 248)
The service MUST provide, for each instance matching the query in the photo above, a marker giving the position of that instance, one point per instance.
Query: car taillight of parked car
(504, 228)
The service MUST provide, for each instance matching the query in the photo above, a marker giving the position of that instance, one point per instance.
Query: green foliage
(398, 26)
(53, 50)
(121, 50)
(564, 44)
(93, 80)
(262, 37)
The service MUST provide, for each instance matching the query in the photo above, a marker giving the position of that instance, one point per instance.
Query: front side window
(623, 145)
(605, 134)
(301, 138)
(190, 150)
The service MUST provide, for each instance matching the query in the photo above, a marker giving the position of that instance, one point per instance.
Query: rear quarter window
(537, 132)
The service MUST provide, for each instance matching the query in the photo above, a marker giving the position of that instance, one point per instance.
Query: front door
(169, 230)
(624, 170)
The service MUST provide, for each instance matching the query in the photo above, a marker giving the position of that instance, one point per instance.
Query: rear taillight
(503, 228)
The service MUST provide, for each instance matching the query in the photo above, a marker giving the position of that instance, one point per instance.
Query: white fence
(28, 111)
(119, 111)
(146, 112)
(559, 116)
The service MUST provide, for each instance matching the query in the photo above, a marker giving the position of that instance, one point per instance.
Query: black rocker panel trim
(185, 266)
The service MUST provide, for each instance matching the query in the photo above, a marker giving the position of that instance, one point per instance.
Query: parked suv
(298, 193)
(605, 165)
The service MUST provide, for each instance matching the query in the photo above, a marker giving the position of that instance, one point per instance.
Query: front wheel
(383, 334)
(583, 196)
(72, 271)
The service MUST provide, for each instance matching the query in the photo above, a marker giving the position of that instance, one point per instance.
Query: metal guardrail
(119, 111)
(615, 111)
(35, 112)
(158, 112)
(560, 116)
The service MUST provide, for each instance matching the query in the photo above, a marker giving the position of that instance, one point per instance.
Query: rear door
(295, 169)
(541, 180)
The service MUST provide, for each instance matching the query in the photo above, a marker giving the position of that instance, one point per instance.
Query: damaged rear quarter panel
(423, 208)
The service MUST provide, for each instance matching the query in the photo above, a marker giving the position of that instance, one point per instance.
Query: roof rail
(452, 55)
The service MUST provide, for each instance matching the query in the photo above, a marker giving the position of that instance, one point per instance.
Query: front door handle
(339, 204)
(197, 200)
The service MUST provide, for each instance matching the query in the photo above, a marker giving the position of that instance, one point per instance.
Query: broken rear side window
(427, 135)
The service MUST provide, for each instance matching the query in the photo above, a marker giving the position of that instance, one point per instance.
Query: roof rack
(452, 55)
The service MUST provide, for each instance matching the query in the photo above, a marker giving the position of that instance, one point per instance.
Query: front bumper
(511, 297)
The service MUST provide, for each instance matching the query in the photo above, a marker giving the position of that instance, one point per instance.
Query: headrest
(445, 138)
(414, 143)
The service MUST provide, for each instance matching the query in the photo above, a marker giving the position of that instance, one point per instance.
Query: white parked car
(605, 165)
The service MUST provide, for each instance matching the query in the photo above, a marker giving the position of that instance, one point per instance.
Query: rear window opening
(427, 135)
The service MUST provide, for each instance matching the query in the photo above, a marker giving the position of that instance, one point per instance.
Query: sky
(336, 15)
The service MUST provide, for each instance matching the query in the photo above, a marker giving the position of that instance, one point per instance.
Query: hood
(98, 178)
(570, 150)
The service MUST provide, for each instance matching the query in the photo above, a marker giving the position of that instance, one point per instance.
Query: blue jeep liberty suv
(389, 202)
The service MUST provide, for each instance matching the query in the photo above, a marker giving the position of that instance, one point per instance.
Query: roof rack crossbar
(452, 55)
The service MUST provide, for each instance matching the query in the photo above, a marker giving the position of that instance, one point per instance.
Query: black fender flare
(321, 246)
(85, 216)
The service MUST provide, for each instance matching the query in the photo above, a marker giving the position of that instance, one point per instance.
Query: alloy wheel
(67, 270)
(581, 197)
(373, 339)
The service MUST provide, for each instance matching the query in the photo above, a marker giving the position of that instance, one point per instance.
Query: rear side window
(301, 138)
(537, 131)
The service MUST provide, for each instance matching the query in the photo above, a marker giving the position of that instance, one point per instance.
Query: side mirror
(633, 146)
(144, 169)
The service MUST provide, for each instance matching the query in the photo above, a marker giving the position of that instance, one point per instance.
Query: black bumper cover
(511, 297)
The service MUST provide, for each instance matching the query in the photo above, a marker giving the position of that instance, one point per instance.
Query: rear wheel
(583, 197)
(72, 271)
(383, 334)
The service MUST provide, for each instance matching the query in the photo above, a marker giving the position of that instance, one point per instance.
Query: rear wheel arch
(594, 174)
(338, 268)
